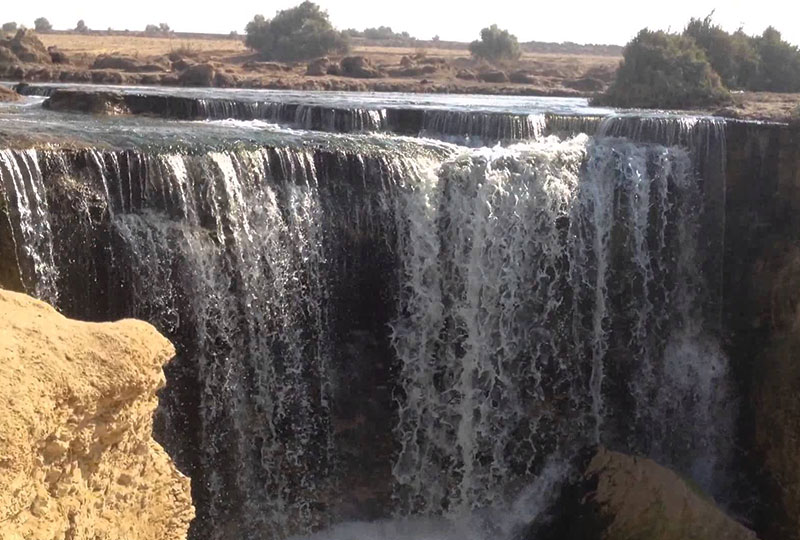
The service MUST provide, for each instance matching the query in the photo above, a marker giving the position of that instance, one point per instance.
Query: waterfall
(373, 326)
(478, 128)
(552, 298)
(25, 199)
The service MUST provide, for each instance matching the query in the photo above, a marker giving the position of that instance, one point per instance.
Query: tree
(42, 25)
(665, 70)
(154, 29)
(299, 33)
(733, 56)
(9, 27)
(81, 27)
(495, 45)
(780, 63)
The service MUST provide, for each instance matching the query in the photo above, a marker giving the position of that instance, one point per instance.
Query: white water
(549, 298)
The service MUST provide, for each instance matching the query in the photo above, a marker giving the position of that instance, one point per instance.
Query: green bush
(780, 63)
(663, 70)
(733, 56)
(9, 27)
(300, 33)
(495, 45)
(42, 25)
(761, 63)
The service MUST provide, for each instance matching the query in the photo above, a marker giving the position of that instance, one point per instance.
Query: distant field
(80, 44)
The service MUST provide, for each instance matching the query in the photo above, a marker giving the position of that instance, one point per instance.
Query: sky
(580, 21)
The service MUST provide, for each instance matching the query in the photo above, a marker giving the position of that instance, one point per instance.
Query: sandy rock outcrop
(77, 457)
(622, 497)
(7, 94)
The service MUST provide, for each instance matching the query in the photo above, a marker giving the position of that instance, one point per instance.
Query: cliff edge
(77, 456)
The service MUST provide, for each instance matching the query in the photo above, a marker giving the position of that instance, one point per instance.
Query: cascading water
(370, 327)
(551, 298)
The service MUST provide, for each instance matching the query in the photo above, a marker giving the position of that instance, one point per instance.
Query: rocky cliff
(77, 456)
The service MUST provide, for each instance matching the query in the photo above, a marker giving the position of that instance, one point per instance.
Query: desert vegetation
(495, 45)
(300, 33)
(697, 66)
(660, 69)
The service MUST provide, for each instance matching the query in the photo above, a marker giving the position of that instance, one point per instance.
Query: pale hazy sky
(581, 21)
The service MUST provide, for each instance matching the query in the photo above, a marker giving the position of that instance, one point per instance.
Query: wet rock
(318, 67)
(494, 76)
(87, 102)
(198, 75)
(78, 457)
(359, 67)
(622, 497)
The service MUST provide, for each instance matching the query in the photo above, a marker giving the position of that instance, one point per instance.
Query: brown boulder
(7, 94)
(522, 77)
(622, 497)
(57, 57)
(494, 76)
(7, 56)
(359, 67)
(198, 75)
(466, 75)
(225, 80)
(318, 67)
(109, 103)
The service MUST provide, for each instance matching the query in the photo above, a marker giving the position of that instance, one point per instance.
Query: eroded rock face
(777, 406)
(622, 497)
(77, 457)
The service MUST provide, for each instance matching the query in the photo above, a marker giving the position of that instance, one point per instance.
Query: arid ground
(428, 67)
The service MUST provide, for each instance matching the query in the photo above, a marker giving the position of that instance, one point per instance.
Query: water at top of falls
(369, 100)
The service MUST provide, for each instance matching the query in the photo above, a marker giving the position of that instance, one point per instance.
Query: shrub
(780, 63)
(9, 27)
(300, 33)
(667, 71)
(81, 27)
(156, 29)
(495, 45)
(733, 56)
(42, 25)
(385, 33)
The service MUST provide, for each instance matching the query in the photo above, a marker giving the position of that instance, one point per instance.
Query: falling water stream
(390, 337)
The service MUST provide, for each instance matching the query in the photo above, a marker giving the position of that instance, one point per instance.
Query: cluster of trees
(698, 66)
(40, 25)
(162, 29)
(760, 63)
(380, 33)
(305, 32)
